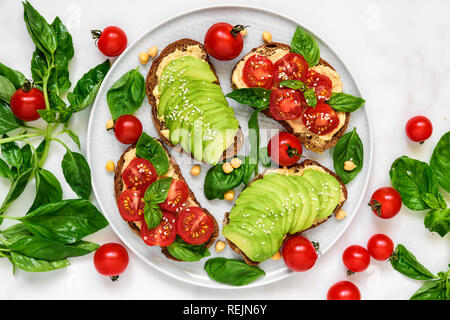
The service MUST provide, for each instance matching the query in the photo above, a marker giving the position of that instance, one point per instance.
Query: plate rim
(118, 61)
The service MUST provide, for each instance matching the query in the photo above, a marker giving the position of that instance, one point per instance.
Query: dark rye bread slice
(118, 186)
(309, 139)
(152, 82)
(295, 169)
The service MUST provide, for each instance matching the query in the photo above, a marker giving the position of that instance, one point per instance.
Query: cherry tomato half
(299, 254)
(194, 226)
(163, 235)
(127, 129)
(26, 103)
(356, 258)
(177, 196)
(321, 120)
(386, 202)
(285, 149)
(258, 72)
(380, 247)
(223, 41)
(111, 259)
(343, 290)
(112, 41)
(139, 174)
(286, 104)
(321, 85)
(131, 205)
(291, 66)
(419, 128)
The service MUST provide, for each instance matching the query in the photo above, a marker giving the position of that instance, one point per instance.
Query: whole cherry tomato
(112, 41)
(386, 202)
(127, 129)
(223, 41)
(419, 128)
(284, 149)
(356, 258)
(380, 247)
(111, 260)
(26, 102)
(343, 290)
(299, 254)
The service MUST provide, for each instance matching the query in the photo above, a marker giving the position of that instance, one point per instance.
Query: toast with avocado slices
(312, 141)
(188, 106)
(174, 172)
(290, 201)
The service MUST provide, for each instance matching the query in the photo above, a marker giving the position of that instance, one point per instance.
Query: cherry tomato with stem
(127, 129)
(419, 128)
(224, 41)
(26, 102)
(111, 260)
(112, 41)
(356, 258)
(285, 149)
(380, 247)
(344, 290)
(386, 202)
(299, 254)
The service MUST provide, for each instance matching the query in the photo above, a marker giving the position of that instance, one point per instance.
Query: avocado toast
(174, 172)
(312, 141)
(188, 106)
(290, 201)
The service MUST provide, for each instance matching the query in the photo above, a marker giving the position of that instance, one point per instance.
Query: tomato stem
(236, 29)
(291, 152)
(114, 278)
(375, 205)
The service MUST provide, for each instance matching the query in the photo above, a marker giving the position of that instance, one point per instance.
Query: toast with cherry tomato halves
(297, 88)
(291, 200)
(189, 108)
(153, 197)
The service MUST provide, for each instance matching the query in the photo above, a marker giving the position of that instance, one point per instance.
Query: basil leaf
(45, 249)
(264, 157)
(8, 121)
(27, 156)
(217, 182)
(254, 138)
(187, 252)
(150, 149)
(258, 98)
(48, 189)
(126, 94)
(39, 66)
(412, 179)
(434, 202)
(152, 215)
(5, 171)
(12, 153)
(86, 89)
(49, 116)
(304, 44)
(310, 97)
(77, 173)
(66, 221)
(73, 136)
(249, 167)
(232, 272)
(348, 148)
(438, 220)
(35, 265)
(431, 290)
(345, 102)
(16, 77)
(7, 89)
(440, 162)
(157, 192)
(406, 263)
(16, 190)
(16, 231)
(40, 149)
(294, 84)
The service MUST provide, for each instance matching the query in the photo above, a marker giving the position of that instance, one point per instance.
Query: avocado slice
(314, 203)
(303, 196)
(247, 243)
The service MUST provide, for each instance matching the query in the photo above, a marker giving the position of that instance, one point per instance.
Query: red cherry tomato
(258, 72)
(139, 174)
(194, 226)
(25, 104)
(321, 85)
(131, 205)
(128, 129)
(419, 128)
(112, 41)
(286, 104)
(292, 66)
(285, 149)
(380, 247)
(386, 202)
(321, 120)
(111, 259)
(223, 41)
(177, 196)
(299, 254)
(343, 290)
(163, 235)
(356, 258)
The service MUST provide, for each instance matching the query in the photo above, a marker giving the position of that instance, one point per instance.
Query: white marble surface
(398, 54)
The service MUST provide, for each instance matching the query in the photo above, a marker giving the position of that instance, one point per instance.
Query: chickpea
(276, 256)
(143, 57)
(109, 124)
(153, 51)
(110, 166)
(341, 214)
(236, 163)
(267, 36)
(227, 167)
(220, 245)
(349, 165)
(244, 32)
(229, 195)
(195, 170)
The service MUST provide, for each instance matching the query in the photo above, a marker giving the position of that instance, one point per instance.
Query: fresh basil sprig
(440, 162)
(150, 149)
(232, 272)
(303, 43)
(348, 148)
(187, 252)
(156, 193)
(345, 102)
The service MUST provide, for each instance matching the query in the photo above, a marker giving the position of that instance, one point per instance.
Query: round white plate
(103, 146)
